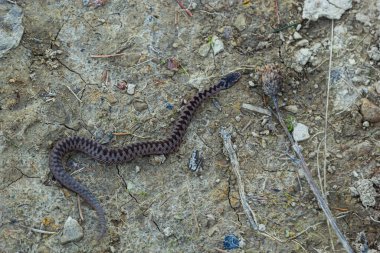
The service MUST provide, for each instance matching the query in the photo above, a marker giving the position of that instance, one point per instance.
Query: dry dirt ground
(156, 57)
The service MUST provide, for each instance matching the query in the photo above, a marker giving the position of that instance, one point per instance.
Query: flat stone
(331, 9)
(253, 108)
(72, 231)
(370, 111)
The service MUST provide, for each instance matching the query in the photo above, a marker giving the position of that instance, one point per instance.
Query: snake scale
(121, 155)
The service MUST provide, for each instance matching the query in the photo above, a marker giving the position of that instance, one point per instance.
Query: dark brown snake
(121, 155)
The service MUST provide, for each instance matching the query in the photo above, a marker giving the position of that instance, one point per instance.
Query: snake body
(121, 155)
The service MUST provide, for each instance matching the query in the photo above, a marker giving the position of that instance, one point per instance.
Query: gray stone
(11, 28)
(140, 105)
(291, 108)
(374, 53)
(72, 231)
(204, 49)
(300, 132)
(240, 22)
(363, 19)
(331, 9)
(364, 188)
(217, 45)
(302, 56)
(302, 43)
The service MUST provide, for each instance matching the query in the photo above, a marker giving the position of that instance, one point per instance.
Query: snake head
(229, 80)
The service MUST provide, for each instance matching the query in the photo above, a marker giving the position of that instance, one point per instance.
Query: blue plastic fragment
(169, 105)
(231, 242)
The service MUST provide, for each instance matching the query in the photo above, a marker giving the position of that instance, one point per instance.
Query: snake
(129, 152)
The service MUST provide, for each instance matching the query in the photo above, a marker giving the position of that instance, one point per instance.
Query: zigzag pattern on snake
(121, 155)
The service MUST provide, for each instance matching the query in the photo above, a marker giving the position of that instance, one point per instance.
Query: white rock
(302, 56)
(217, 45)
(168, 231)
(331, 9)
(72, 231)
(131, 88)
(300, 132)
(297, 36)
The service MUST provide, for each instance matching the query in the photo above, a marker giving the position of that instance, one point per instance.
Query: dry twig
(272, 81)
(236, 168)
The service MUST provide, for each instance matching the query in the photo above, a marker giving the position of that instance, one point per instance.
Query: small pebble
(299, 26)
(366, 192)
(137, 169)
(291, 108)
(72, 231)
(238, 118)
(195, 161)
(168, 231)
(365, 124)
(302, 43)
(204, 49)
(297, 36)
(131, 88)
(355, 174)
(240, 22)
(217, 45)
(157, 159)
(301, 132)
(262, 227)
(251, 84)
(352, 61)
(140, 105)
(370, 111)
